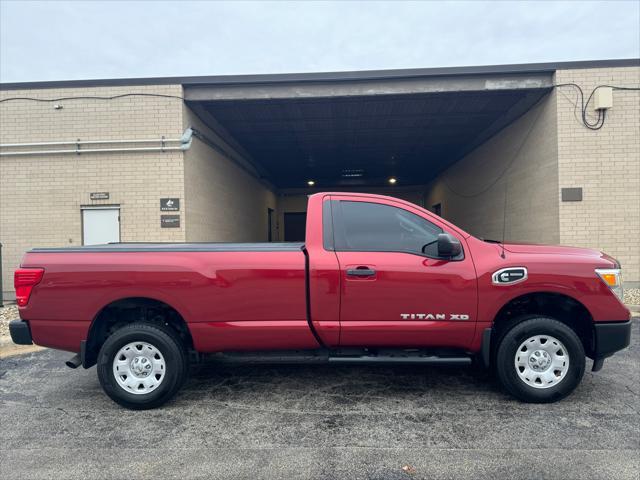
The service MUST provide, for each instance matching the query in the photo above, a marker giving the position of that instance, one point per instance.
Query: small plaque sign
(169, 204)
(573, 194)
(169, 221)
(99, 195)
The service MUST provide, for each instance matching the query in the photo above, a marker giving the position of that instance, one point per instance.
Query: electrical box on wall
(603, 98)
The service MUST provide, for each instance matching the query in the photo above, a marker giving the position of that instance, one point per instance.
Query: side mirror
(448, 246)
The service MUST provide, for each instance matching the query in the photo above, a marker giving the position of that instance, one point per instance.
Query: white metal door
(100, 225)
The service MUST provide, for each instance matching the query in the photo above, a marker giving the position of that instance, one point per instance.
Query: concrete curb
(15, 350)
(10, 349)
(635, 309)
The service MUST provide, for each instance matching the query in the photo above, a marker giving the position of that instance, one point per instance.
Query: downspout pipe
(185, 143)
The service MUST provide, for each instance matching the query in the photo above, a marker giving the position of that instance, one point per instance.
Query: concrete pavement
(318, 422)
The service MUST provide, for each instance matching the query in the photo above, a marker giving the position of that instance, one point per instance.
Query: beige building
(493, 149)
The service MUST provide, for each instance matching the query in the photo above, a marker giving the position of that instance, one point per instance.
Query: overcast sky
(74, 40)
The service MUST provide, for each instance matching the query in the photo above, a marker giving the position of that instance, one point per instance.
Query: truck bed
(177, 247)
(232, 295)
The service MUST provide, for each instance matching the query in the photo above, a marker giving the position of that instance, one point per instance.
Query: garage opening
(295, 224)
(378, 132)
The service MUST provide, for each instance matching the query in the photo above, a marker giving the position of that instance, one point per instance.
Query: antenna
(504, 214)
(503, 173)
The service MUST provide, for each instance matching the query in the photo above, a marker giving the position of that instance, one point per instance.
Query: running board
(385, 356)
(270, 357)
(423, 360)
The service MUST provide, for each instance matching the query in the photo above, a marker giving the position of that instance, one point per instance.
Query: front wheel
(141, 366)
(540, 360)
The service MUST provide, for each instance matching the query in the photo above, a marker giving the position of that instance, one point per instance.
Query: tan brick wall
(606, 164)
(41, 196)
(224, 203)
(532, 182)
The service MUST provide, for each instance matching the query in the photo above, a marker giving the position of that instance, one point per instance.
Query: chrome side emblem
(423, 316)
(433, 316)
(509, 276)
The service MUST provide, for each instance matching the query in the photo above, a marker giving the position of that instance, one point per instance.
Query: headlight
(613, 278)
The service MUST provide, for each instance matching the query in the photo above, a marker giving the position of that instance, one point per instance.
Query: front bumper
(20, 333)
(610, 337)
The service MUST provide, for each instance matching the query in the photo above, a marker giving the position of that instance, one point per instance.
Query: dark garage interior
(364, 141)
(339, 137)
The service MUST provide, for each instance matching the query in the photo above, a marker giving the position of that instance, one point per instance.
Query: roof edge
(358, 75)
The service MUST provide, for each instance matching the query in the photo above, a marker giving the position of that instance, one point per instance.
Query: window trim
(339, 235)
(328, 240)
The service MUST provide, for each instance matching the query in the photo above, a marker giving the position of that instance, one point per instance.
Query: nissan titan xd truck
(377, 281)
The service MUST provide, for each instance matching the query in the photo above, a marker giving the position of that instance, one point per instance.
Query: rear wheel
(540, 360)
(142, 366)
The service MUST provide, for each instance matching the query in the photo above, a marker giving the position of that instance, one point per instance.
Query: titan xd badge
(434, 316)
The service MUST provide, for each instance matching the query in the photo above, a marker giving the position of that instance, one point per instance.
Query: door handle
(361, 272)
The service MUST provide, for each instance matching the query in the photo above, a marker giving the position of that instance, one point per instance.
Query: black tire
(511, 340)
(169, 346)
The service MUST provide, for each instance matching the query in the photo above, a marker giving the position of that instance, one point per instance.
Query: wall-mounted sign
(573, 194)
(169, 204)
(99, 195)
(169, 221)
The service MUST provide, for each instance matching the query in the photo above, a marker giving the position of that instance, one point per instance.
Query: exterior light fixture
(392, 180)
(311, 183)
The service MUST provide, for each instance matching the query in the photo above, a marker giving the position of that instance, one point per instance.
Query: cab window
(382, 228)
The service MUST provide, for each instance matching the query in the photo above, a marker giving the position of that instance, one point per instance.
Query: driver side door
(394, 294)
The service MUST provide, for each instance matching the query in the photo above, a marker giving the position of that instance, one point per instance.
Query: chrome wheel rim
(139, 368)
(542, 361)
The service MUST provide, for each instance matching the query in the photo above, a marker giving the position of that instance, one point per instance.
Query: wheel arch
(559, 306)
(129, 309)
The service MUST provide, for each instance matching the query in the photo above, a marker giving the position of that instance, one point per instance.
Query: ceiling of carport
(365, 140)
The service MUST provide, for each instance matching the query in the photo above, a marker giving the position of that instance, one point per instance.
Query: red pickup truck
(378, 280)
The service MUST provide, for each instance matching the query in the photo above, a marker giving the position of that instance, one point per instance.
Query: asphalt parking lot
(302, 421)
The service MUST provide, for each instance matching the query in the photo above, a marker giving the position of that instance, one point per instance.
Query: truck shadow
(305, 386)
(322, 384)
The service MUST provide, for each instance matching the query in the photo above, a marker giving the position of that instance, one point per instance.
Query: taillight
(24, 279)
